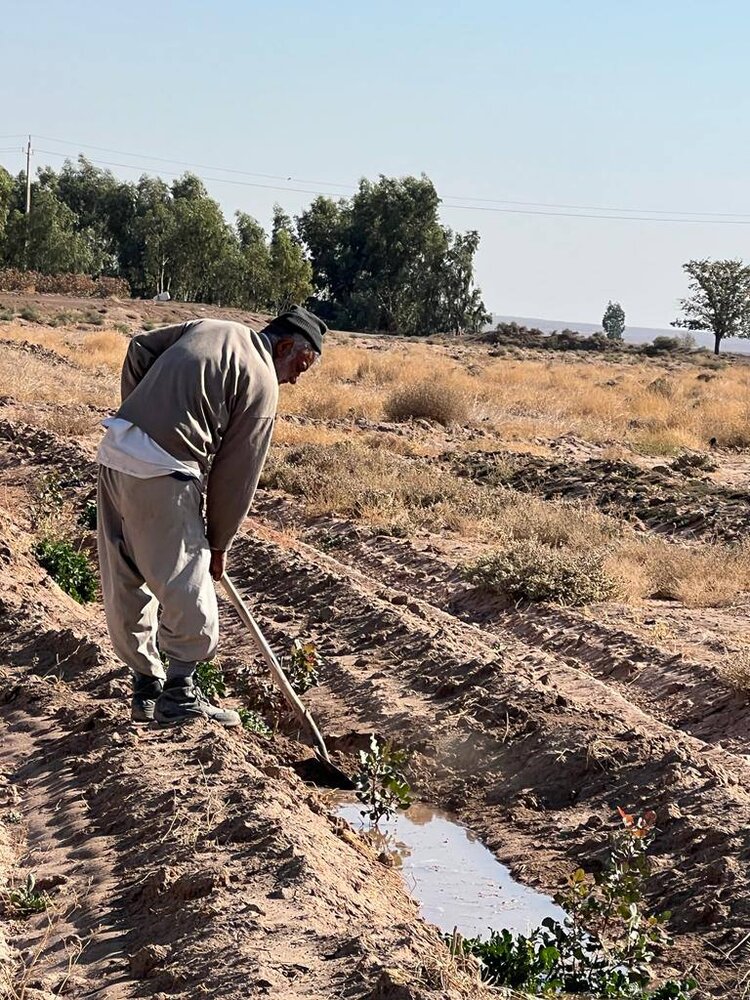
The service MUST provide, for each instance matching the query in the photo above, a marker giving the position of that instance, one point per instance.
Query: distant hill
(633, 334)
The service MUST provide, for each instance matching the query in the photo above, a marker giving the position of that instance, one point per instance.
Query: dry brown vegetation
(391, 480)
(397, 495)
(656, 407)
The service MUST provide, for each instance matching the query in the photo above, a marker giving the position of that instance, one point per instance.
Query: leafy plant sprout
(210, 679)
(381, 785)
(27, 899)
(70, 568)
(50, 499)
(606, 945)
(302, 665)
(254, 722)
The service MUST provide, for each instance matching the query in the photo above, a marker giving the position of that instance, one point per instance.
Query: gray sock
(180, 668)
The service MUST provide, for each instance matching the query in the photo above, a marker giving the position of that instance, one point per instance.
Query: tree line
(380, 260)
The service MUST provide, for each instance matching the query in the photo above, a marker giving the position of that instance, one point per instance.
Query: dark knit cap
(302, 321)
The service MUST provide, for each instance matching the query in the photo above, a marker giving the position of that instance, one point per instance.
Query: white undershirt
(126, 448)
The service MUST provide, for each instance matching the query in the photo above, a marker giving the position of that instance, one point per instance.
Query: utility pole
(28, 205)
(28, 177)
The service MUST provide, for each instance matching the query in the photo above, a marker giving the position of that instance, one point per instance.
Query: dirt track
(200, 850)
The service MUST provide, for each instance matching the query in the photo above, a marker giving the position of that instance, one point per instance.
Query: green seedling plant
(70, 568)
(27, 900)
(606, 945)
(87, 517)
(254, 722)
(381, 785)
(302, 666)
(210, 679)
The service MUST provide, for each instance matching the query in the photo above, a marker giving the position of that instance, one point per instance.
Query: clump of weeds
(533, 571)
(63, 319)
(605, 946)
(26, 900)
(381, 785)
(31, 314)
(69, 567)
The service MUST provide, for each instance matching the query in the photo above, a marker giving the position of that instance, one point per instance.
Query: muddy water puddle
(456, 880)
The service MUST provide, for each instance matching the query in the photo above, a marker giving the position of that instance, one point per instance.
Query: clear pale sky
(635, 104)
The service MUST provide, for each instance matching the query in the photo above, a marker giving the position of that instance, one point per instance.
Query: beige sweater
(206, 391)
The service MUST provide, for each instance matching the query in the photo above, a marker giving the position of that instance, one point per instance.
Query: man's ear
(284, 347)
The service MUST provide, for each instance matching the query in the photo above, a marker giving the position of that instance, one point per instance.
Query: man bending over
(198, 405)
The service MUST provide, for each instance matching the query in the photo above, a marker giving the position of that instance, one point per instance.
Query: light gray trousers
(153, 551)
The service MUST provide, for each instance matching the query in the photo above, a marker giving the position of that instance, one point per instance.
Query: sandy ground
(198, 863)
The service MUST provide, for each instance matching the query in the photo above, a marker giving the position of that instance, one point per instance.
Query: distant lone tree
(613, 321)
(719, 299)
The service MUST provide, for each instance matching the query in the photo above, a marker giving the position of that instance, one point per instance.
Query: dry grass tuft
(443, 401)
(704, 576)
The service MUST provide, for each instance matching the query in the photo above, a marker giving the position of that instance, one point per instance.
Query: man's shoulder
(227, 327)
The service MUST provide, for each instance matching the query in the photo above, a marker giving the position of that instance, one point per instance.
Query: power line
(562, 207)
(601, 208)
(176, 173)
(618, 218)
(504, 207)
(199, 166)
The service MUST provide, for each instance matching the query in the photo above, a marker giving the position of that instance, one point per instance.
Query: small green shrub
(27, 900)
(663, 344)
(261, 695)
(148, 326)
(380, 784)
(661, 386)
(31, 314)
(93, 318)
(301, 666)
(254, 722)
(606, 945)
(70, 568)
(6, 314)
(533, 571)
(49, 500)
(122, 328)
(210, 679)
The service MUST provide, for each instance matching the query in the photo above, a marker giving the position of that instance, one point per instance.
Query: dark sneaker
(183, 701)
(145, 692)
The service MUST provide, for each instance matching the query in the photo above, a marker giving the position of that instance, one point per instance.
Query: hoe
(334, 774)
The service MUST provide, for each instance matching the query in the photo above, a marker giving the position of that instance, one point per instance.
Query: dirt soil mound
(199, 861)
(660, 499)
